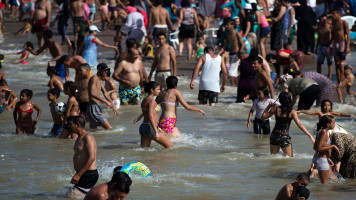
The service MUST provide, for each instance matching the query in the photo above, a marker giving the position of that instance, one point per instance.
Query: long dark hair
(324, 121)
(150, 85)
(286, 102)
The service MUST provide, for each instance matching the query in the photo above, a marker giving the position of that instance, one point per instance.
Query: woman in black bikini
(284, 114)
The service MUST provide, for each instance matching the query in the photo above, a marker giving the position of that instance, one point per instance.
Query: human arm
(280, 14)
(40, 50)
(14, 113)
(347, 39)
(248, 27)
(109, 100)
(320, 144)
(301, 126)
(172, 54)
(342, 114)
(258, 17)
(196, 21)
(182, 101)
(90, 146)
(138, 118)
(222, 49)
(309, 112)
(224, 75)
(200, 63)
(269, 111)
(240, 41)
(13, 102)
(22, 59)
(242, 10)
(39, 112)
(154, 64)
(269, 83)
(249, 118)
(59, 50)
(149, 23)
(99, 42)
(48, 11)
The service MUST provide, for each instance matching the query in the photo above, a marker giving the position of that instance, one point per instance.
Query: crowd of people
(239, 54)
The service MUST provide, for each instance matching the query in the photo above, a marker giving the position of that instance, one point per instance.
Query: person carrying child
(260, 104)
(23, 113)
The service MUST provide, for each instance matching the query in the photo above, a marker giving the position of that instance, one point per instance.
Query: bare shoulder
(89, 138)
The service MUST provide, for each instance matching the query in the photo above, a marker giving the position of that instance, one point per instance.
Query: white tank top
(210, 76)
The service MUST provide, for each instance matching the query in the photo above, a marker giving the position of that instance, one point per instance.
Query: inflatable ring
(137, 167)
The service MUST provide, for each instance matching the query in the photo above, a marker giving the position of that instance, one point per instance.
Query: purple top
(247, 75)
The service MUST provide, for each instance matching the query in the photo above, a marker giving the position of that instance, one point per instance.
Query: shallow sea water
(216, 157)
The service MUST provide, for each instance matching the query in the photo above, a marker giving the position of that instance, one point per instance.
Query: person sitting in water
(326, 108)
(289, 191)
(118, 186)
(24, 53)
(149, 128)
(169, 100)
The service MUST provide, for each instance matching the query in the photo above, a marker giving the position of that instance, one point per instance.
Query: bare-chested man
(85, 74)
(84, 158)
(76, 11)
(41, 19)
(165, 57)
(75, 62)
(323, 45)
(95, 87)
(129, 73)
(55, 49)
(106, 190)
(159, 18)
(236, 44)
(340, 42)
(54, 81)
(261, 78)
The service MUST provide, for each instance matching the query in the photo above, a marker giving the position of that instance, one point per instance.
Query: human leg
(145, 142)
(163, 140)
(106, 125)
(181, 46)
(288, 151)
(189, 47)
(274, 149)
(262, 46)
(339, 91)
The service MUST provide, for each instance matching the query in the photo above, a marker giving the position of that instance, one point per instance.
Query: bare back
(94, 88)
(159, 16)
(77, 8)
(81, 151)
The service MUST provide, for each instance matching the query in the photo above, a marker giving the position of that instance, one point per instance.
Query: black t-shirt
(250, 19)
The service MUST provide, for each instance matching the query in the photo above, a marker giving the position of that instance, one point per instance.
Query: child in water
(148, 49)
(2, 75)
(326, 108)
(24, 54)
(260, 104)
(292, 59)
(23, 113)
(52, 96)
(111, 89)
(199, 46)
(347, 78)
(26, 28)
(289, 191)
(8, 95)
(117, 40)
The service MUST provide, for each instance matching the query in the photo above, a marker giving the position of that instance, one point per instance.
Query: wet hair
(131, 42)
(167, 3)
(78, 120)
(48, 34)
(72, 89)
(341, 55)
(161, 33)
(325, 101)
(117, 27)
(172, 82)
(63, 58)
(304, 177)
(302, 191)
(3, 82)
(85, 66)
(51, 69)
(259, 59)
(337, 11)
(123, 183)
(253, 54)
(200, 35)
(208, 49)
(55, 92)
(265, 91)
(185, 4)
(29, 44)
(28, 93)
(231, 21)
(324, 121)
(158, 2)
(149, 40)
(286, 102)
(294, 56)
(150, 85)
(276, 65)
(254, 7)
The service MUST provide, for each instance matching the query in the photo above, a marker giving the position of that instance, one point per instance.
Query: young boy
(117, 40)
(54, 81)
(148, 49)
(111, 89)
(347, 77)
(84, 70)
(52, 96)
(289, 191)
(323, 45)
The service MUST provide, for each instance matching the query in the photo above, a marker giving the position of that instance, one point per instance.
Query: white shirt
(210, 76)
(134, 26)
(260, 106)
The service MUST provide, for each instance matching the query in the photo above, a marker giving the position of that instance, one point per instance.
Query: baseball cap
(103, 66)
(93, 28)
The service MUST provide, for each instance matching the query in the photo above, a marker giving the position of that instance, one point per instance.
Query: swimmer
(323, 147)
(284, 114)
(289, 191)
(326, 109)
(72, 109)
(84, 159)
(52, 96)
(117, 188)
(149, 128)
(8, 95)
(24, 53)
(23, 113)
(169, 100)
(54, 81)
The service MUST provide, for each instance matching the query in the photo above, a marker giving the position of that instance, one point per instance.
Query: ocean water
(216, 157)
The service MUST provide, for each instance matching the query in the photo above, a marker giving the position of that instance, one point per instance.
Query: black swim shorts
(205, 95)
(280, 139)
(87, 181)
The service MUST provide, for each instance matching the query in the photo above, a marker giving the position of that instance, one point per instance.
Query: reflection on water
(216, 157)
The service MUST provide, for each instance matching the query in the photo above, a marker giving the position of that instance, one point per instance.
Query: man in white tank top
(209, 85)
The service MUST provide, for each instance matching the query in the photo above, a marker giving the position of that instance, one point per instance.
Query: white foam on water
(191, 140)
(233, 156)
